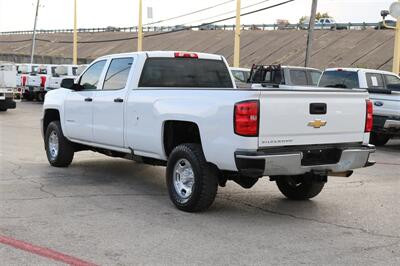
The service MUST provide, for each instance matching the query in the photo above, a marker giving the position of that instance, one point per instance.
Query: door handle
(118, 100)
(88, 99)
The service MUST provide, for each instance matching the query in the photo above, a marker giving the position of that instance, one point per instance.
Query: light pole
(394, 12)
(140, 29)
(75, 44)
(310, 35)
(236, 56)
(34, 31)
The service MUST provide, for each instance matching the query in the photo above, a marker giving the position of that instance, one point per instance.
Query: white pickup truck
(38, 81)
(182, 110)
(8, 82)
(62, 72)
(384, 89)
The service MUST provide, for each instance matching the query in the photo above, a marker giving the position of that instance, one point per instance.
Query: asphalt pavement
(109, 211)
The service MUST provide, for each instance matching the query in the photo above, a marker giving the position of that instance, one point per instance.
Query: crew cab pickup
(384, 89)
(62, 72)
(182, 110)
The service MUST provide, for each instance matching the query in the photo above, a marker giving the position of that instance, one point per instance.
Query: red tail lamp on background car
(246, 118)
(42, 81)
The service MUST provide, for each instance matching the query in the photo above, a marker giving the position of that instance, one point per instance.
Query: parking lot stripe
(44, 252)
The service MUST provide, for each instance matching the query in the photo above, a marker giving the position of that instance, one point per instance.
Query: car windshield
(339, 79)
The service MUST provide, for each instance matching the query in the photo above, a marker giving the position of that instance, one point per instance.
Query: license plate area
(321, 156)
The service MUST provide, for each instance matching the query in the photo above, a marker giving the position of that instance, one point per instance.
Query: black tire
(378, 139)
(205, 186)
(3, 109)
(40, 97)
(65, 154)
(299, 187)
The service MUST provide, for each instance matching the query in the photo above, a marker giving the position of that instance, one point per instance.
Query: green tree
(317, 17)
(322, 15)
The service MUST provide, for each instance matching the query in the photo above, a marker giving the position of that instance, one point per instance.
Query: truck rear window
(339, 79)
(185, 72)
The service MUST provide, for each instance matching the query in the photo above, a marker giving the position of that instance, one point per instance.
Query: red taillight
(369, 117)
(23, 80)
(42, 81)
(185, 55)
(246, 118)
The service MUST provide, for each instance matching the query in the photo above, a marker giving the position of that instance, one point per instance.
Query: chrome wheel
(183, 179)
(53, 145)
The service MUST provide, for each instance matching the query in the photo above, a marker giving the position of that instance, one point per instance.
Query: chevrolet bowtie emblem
(317, 123)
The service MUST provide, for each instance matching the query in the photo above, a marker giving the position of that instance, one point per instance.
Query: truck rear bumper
(300, 160)
(387, 124)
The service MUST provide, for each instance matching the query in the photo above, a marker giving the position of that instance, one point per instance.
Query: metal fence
(336, 26)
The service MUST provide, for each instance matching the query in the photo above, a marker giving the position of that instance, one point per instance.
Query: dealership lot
(113, 211)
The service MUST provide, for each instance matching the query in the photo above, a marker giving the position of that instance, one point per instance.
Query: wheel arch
(176, 132)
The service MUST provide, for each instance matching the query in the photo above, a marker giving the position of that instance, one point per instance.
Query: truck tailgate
(297, 117)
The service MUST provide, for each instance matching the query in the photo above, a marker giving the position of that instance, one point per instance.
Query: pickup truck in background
(23, 72)
(8, 73)
(62, 72)
(384, 89)
(38, 80)
(286, 75)
(182, 110)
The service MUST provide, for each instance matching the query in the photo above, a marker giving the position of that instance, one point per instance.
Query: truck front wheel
(59, 150)
(192, 182)
(301, 187)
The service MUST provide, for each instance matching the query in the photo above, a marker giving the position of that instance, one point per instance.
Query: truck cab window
(298, 77)
(374, 81)
(91, 77)
(315, 75)
(117, 74)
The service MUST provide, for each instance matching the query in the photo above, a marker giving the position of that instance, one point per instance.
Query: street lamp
(34, 31)
(394, 11)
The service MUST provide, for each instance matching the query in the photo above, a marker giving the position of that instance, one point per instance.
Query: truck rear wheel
(192, 183)
(59, 150)
(301, 187)
(379, 139)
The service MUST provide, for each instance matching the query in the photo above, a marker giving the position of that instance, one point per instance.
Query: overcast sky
(58, 14)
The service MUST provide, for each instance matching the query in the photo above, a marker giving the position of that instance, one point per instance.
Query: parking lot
(113, 211)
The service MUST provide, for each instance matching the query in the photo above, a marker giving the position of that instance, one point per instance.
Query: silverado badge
(317, 123)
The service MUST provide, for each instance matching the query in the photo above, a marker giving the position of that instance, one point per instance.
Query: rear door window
(375, 81)
(185, 72)
(339, 79)
(298, 77)
(117, 74)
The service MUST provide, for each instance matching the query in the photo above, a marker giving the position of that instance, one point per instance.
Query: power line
(226, 13)
(160, 33)
(191, 13)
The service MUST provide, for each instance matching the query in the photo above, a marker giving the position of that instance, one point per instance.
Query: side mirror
(67, 83)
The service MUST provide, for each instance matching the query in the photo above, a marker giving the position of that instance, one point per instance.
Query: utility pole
(75, 45)
(34, 31)
(140, 29)
(236, 56)
(311, 25)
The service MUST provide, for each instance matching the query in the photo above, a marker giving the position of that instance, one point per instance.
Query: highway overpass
(348, 48)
